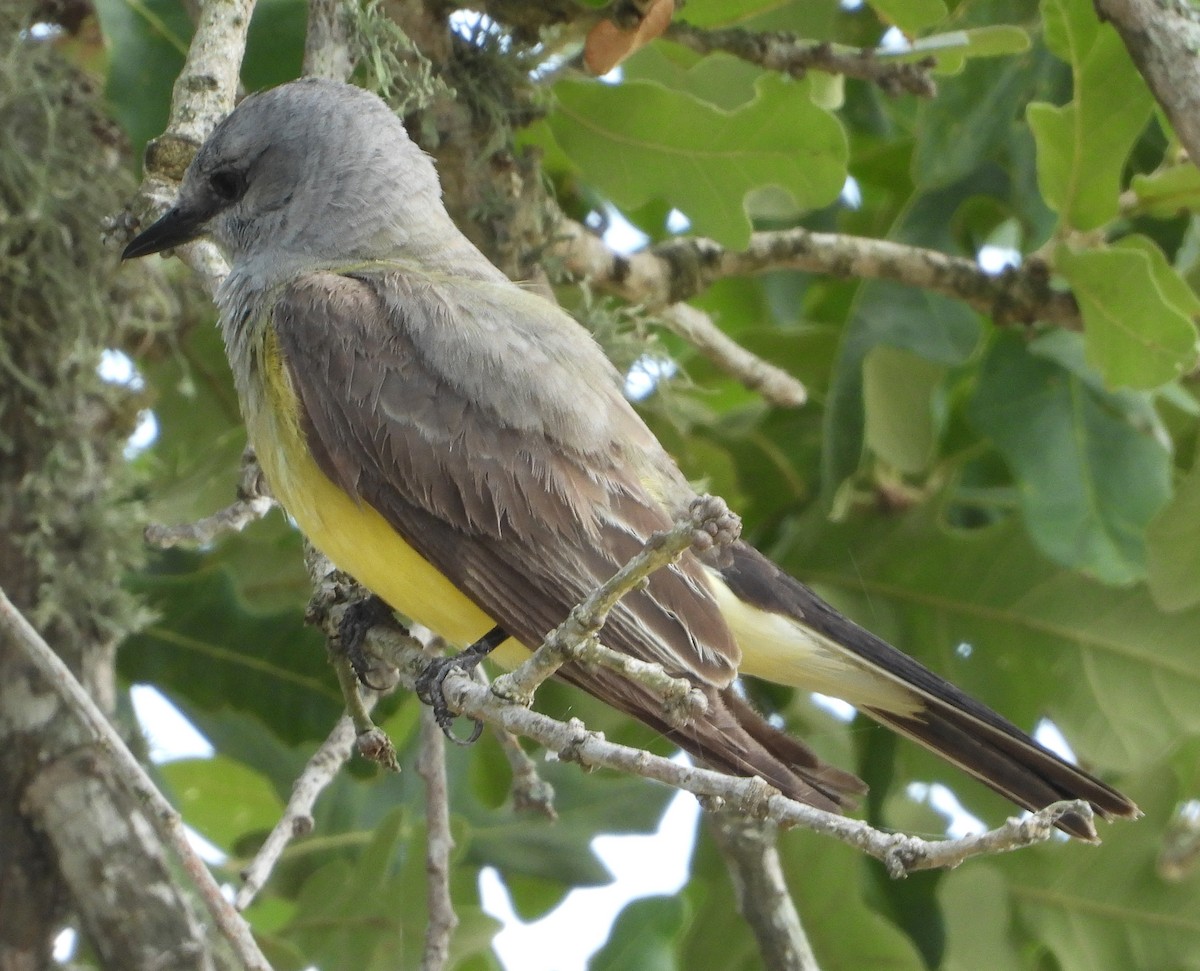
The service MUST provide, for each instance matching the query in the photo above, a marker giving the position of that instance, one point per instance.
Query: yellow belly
(352, 534)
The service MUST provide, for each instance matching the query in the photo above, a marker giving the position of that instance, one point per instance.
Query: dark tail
(732, 737)
(935, 713)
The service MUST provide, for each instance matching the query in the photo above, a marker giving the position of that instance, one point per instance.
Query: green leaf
(147, 41)
(830, 884)
(1136, 312)
(1173, 548)
(222, 799)
(1109, 910)
(723, 13)
(720, 79)
(898, 392)
(194, 462)
(968, 120)
(925, 324)
(347, 914)
(1090, 479)
(978, 920)
(640, 141)
(1114, 672)
(1082, 146)
(911, 16)
(1163, 194)
(954, 48)
(209, 649)
(275, 44)
(644, 936)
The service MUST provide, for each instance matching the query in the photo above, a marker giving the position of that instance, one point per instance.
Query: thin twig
(700, 330)
(708, 521)
(431, 767)
(572, 741)
(254, 501)
(297, 818)
(788, 54)
(130, 773)
(748, 847)
(530, 792)
(370, 740)
(680, 269)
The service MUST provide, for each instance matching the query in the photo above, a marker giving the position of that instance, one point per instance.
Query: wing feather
(525, 506)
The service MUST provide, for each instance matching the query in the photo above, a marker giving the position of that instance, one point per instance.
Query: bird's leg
(358, 618)
(429, 683)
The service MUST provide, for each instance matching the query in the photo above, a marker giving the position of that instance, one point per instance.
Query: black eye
(227, 184)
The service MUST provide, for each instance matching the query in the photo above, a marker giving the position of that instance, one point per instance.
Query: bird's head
(311, 171)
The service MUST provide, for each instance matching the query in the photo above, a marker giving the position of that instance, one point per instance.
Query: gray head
(311, 172)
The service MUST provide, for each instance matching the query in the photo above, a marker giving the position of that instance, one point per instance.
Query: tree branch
(530, 792)
(327, 42)
(431, 767)
(254, 501)
(571, 741)
(700, 330)
(679, 269)
(1162, 37)
(130, 775)
(788, 54)
(297, 820)
(647, 281)
(750, 854)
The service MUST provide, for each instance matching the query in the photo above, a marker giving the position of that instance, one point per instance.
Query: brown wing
(497, 450)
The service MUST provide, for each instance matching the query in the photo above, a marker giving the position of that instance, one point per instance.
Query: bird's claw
(430, 689)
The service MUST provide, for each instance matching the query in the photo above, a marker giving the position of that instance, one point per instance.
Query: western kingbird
(463, 448)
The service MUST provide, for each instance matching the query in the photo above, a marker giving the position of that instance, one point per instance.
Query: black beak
(176, 227)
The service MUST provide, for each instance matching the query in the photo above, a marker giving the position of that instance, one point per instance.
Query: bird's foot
(430, 682)
(358, 618)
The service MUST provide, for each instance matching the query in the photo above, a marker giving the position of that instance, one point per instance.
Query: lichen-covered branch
(327, 41)
(679, 269)
(699, 329)
(129, 773)
(530, 792)
(788, 54)
(1163, 38)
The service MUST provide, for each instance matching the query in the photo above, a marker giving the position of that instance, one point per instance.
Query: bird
(463, 447)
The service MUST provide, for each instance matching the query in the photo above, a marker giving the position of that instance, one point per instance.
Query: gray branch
(431, 767)
(253, 502)
(571, 741)
(750, 854)
(297, 820)
(130, 776)
(788, 54)
(327, 43)
(204, 93)
(680, 269)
